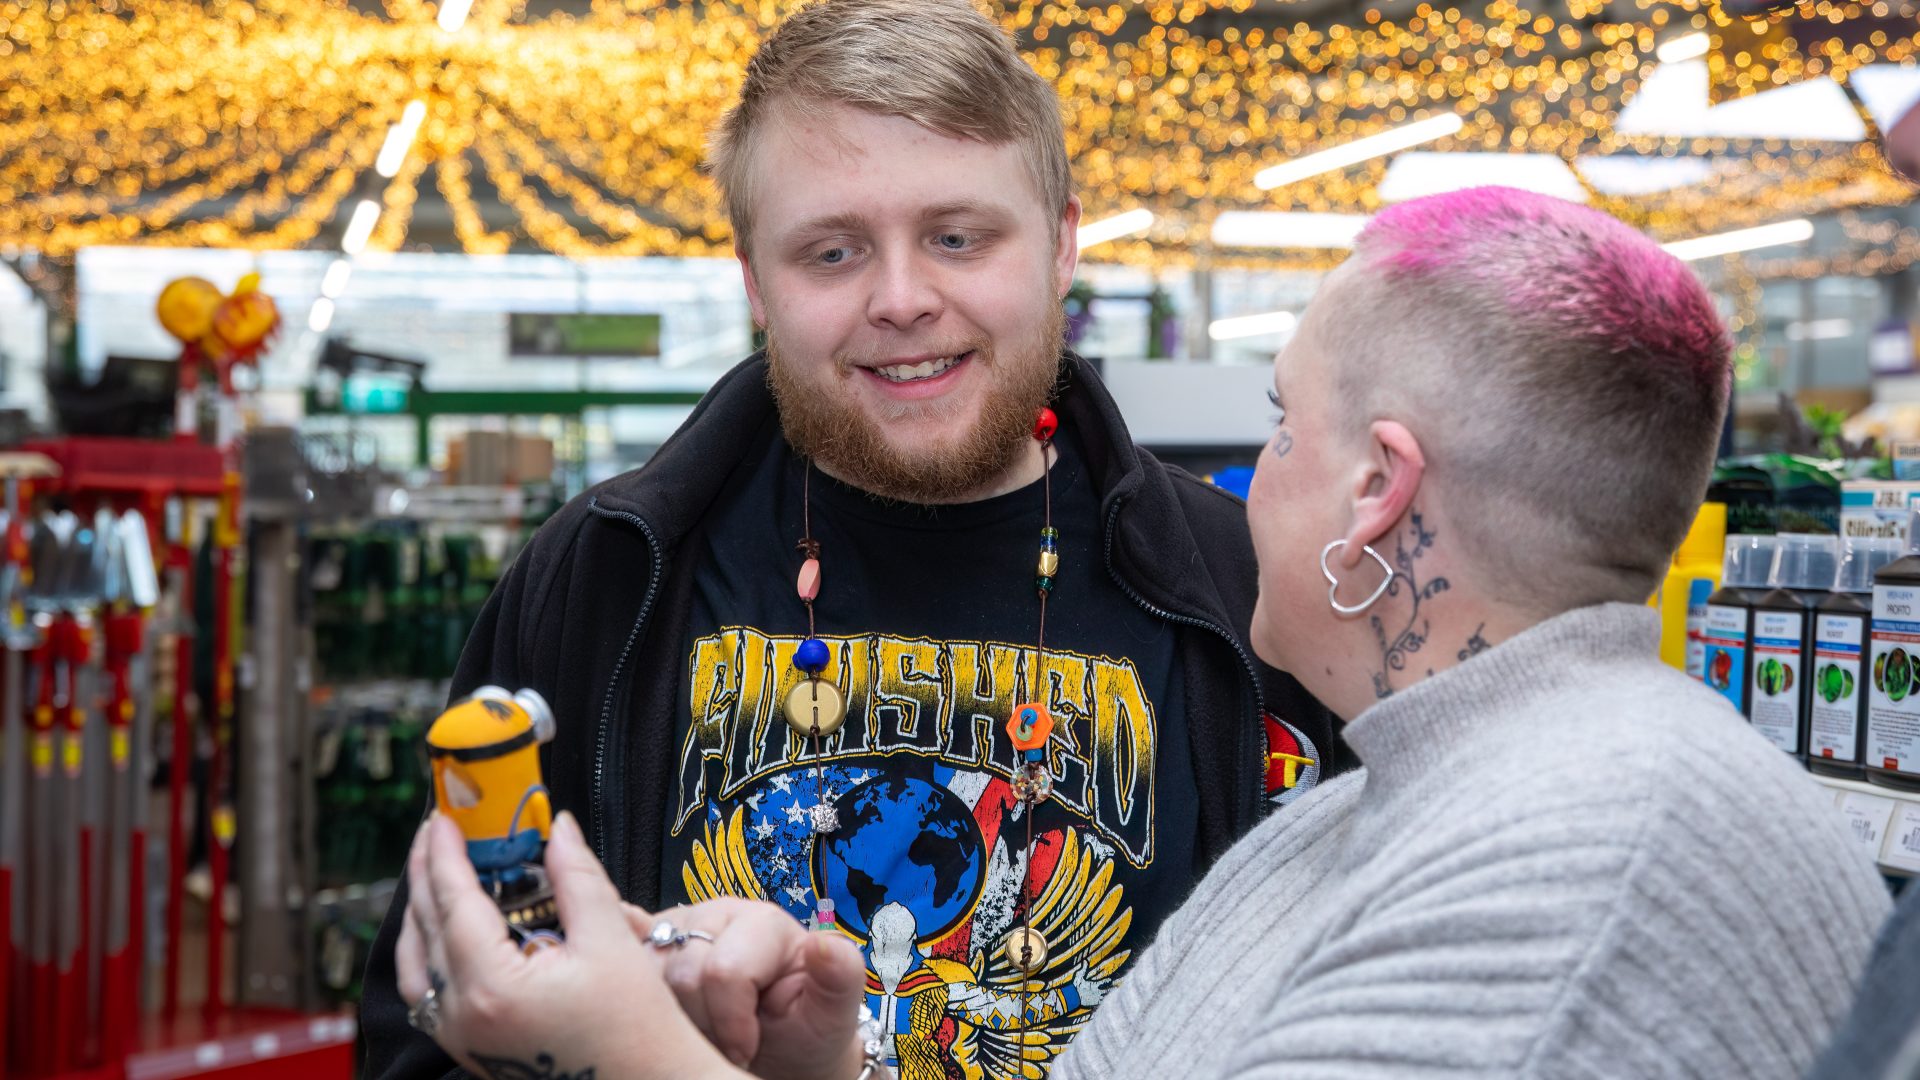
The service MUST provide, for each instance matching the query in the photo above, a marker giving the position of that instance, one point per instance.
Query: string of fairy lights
(254, 123)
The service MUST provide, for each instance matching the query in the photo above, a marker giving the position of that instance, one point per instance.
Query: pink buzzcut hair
(1584, 272)
(1566, 376)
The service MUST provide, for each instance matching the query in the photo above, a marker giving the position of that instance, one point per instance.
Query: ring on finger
(424, 1015)
(665, 935)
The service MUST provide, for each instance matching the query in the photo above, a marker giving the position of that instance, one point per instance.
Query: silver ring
(424, 1015)
(665, 935)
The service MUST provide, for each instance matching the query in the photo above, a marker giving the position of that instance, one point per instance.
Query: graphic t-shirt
(930, 616)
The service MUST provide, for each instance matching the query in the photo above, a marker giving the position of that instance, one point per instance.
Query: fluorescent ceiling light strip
(1674, 101)
(1373, 146)
(1887, 90)
(1820, 330)
(400, 139)
(1423, 172)
(1686, 47)
(360, 227)
(1245, 326)
(1629, 174)
(335, 281)
(1728, 243)
(453, 14)
(321, 317)
(1113, 228)
(1251, 229)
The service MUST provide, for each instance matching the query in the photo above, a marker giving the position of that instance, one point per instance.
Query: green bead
(1050, 533)
(1044, 584)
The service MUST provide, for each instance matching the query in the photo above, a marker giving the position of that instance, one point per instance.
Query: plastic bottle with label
(1893, 704)
(1837, 682)
(1694, 576)
(1782, 645)
(1728, 632)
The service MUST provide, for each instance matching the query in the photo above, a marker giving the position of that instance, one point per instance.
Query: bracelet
(873, 1063)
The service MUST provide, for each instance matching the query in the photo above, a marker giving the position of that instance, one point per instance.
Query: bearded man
(787, 654)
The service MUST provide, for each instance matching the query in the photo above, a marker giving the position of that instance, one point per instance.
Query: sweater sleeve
(1649, 929)
(1450, 969)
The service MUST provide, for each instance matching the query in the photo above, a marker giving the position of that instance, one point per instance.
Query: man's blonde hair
(939, 63)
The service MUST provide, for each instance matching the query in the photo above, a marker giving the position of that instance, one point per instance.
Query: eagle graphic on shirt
(949, 1002)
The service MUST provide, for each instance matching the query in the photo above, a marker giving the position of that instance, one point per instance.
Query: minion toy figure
(485, 754)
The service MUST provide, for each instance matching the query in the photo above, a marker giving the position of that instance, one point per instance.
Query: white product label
(1903, 839)
(1777, 681)
(1833, 720)
(1893, 705)
(1698, 590)
(1726, 652)
(1866, 817)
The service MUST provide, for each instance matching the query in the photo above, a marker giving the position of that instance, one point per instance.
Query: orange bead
(1030, 727)
(809, 583)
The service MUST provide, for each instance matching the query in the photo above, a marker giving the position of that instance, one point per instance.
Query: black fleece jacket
(594, 613)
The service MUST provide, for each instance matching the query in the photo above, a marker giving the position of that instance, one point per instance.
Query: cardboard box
(499, 459)
(529, 460)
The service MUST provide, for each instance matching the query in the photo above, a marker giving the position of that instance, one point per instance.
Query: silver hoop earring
(1333, 583)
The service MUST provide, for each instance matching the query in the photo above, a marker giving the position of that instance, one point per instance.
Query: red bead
(1045, 425)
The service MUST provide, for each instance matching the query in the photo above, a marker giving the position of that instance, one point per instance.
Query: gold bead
(815, 705)
(1026, 950)
(1049, 563)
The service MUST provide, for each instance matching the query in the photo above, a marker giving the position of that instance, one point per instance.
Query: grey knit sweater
(1562, 859)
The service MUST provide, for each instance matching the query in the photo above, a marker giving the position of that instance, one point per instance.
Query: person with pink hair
(1561, 858)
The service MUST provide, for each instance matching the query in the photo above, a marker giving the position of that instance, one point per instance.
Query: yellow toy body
(485, 753)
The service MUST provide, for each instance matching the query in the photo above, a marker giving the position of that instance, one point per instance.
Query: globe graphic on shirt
(902, 841)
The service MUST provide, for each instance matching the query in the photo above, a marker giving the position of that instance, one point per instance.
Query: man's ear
(1384, 487)
(754, 303)
(1066, 255)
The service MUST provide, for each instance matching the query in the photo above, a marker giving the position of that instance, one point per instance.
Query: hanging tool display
(79, 653)
(180, 628)
(26, 759)
(132, 590)
(227, 610)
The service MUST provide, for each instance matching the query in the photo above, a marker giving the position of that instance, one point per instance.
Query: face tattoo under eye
(1282, 438)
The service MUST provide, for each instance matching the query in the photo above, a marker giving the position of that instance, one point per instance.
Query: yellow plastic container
(1694, 576)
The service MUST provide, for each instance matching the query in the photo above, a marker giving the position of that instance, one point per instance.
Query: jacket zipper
(1246, 665)
(600, 828)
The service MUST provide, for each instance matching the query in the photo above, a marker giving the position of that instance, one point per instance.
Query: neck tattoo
(816, 707)
(1401, 646)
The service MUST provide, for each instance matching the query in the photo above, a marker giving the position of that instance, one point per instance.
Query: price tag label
(1866, 817)
(1903, 839)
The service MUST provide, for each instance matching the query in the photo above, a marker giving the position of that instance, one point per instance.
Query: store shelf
(246, 1044)
(1897, 389)
(259, 1044)
(154, 467)
(1884, 821)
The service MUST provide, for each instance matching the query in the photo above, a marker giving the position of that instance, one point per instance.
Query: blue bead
(811, 656)
(1038, 753)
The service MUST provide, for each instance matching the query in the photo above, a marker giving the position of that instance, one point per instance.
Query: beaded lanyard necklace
(815, 708)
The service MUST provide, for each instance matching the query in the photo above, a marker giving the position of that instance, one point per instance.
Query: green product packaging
(1782, 643)
(1892, 754)
(1837, 685)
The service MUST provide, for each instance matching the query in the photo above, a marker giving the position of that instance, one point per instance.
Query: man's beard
(823, 422)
